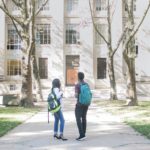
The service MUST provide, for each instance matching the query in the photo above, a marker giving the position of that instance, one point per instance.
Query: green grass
(140, 126)
(138, 117)
(10, 117)
(7, 124)
(17, 110)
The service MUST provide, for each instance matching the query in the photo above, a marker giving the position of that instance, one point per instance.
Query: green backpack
(53, 103)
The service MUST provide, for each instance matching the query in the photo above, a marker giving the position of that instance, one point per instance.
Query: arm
(77, 90)
(58, 93)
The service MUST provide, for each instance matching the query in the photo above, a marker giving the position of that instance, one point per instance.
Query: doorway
(72, 67)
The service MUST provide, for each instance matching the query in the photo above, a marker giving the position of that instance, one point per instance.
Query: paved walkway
(104, 132)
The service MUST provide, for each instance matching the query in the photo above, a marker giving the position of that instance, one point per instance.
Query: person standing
(80, 109)
(58, 116)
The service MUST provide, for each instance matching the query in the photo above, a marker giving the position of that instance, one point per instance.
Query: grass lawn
(10, 117)
(138, 117)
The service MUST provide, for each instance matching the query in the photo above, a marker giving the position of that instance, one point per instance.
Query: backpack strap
(52, 91)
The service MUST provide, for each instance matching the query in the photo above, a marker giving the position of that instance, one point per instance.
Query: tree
(24, 24)
(111, 50)
(129, 48)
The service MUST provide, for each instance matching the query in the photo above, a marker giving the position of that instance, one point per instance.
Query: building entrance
(72, 67)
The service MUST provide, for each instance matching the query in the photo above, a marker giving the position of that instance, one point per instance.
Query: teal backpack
(85, 95)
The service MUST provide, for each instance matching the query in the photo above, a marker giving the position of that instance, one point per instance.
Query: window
(101, 68)
(46, 7)
(134, 5)
(43, 68)
(102, 29)
(43, 33)
(13, 67)
(72, 5)
(14, 42)
(101, 5)
(12, 87)
(72, 35)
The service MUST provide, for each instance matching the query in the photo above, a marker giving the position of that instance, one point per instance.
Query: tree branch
(5, 10)
(139, 25)
(95, 27)
(18, 3)
(39, 9)
(109, 24)
(120, 40)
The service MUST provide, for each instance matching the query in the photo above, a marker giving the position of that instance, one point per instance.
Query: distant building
(67, 43)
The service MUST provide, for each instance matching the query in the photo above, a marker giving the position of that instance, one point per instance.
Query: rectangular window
(102, 28)
(43, 33)
(13, 67)
(72, 6)
(43, 68)
(134, 5)
(12, 87)
(46, 7)
(101, 68)
(101, 5)
(14, 42)
(72, 35)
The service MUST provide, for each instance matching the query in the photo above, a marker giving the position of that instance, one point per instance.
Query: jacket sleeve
(58, 93)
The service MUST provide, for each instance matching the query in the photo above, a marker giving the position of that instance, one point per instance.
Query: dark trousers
(80, 113)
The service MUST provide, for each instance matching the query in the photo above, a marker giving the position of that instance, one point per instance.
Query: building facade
(66, 42)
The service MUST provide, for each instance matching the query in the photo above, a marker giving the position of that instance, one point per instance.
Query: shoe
(56, 136)
(63, 138)
(81, 138)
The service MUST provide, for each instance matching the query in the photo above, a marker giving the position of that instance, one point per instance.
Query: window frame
(72, 34)
(101, 75)
(13, 39)
(46, 7)
(43, 34)
(102, 28)
(43, 68)
(72, 6)
(13, 69)
(100, 5)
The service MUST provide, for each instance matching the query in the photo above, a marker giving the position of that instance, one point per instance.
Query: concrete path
(104, 132)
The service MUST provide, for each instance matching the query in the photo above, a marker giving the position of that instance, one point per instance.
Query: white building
(67, 43)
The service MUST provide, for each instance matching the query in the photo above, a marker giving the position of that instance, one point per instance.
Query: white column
(116, 33)
(2, 43)
(86, 49)
(57, 36)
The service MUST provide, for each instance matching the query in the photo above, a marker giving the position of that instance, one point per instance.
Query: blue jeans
(59, 117)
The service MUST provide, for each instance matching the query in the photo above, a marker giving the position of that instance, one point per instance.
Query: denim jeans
(80, 113)
(59, 118)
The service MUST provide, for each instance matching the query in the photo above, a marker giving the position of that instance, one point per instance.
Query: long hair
(56, 83)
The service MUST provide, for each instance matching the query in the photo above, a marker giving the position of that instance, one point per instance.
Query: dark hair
(56, 83)
(80, 76)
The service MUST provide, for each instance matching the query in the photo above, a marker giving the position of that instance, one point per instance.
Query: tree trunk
(35, 70)
(131, 81)
(39, 94)
(26, 91)
(113, 91)
(27, 47)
